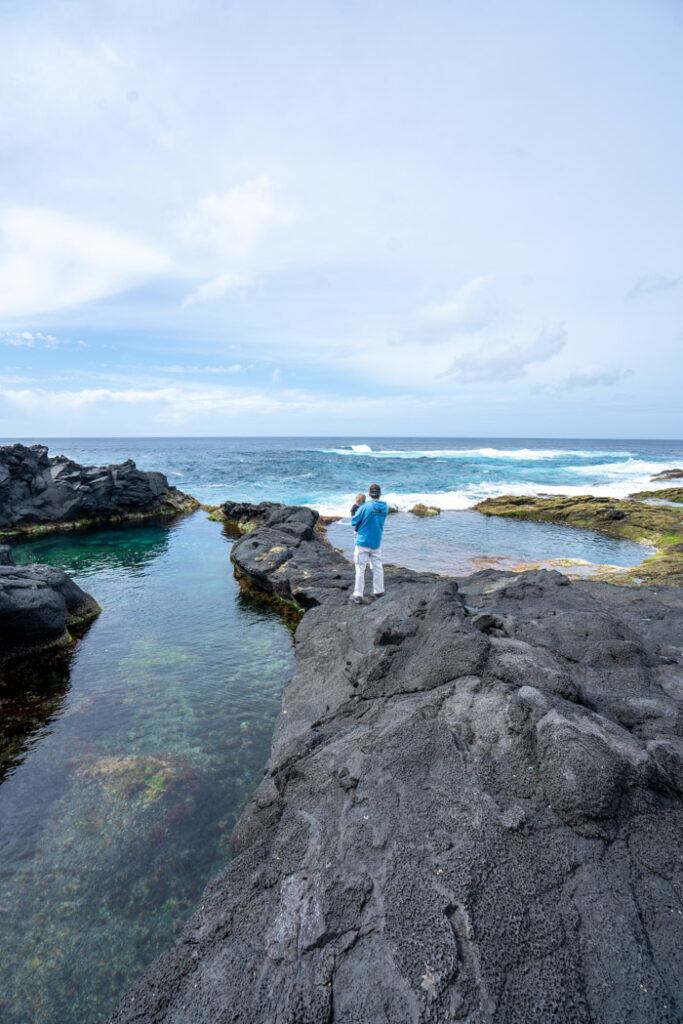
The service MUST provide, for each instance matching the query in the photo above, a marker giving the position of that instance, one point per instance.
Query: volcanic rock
(668, 474)
(472, 808)
(39, 604)
(39, 491)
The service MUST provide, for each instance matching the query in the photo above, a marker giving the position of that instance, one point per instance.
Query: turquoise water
(126, 766)
(453, 473)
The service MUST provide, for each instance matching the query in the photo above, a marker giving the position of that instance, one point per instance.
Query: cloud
(189, 403)
(232, 368)
(217, 287)
(649, 284)
(470, 309)
(593, 377)
(506, 362)
(36, 339)
(51, 261)
(232, 224)
(227, 230)
(27, 339)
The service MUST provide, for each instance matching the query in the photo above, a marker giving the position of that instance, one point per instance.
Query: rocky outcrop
(662, 494)
(425, 510)
(660, 525)
(39, 605)
(472, 809)
(39, 493)
(668, 474)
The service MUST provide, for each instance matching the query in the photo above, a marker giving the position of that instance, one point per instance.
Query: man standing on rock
(369, 524)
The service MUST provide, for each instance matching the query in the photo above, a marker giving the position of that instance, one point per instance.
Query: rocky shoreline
(472, 809)
(41, 494)
(654, 518)
(40, 607)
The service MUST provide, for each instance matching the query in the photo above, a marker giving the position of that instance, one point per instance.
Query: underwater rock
(5, 554)
(40, 493)
(425, 510)
(474, 798)
(38, 606)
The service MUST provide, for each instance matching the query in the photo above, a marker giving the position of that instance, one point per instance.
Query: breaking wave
(518, 454)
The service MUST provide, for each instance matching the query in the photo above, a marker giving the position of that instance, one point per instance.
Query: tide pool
(458, 543)
(126, 766)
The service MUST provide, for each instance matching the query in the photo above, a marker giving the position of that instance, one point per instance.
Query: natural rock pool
(124, 769)
(459, 543)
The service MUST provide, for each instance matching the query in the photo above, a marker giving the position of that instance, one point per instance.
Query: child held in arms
(360, 500)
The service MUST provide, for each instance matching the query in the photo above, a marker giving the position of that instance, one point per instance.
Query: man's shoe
(377, 596)
(356, 600)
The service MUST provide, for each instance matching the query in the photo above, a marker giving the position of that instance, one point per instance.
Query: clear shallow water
(454, 543)
(453, 473)
(125, 769)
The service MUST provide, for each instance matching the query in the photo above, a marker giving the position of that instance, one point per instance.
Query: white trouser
(362, 558)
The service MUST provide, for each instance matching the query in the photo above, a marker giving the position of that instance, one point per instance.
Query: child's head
(360, 498)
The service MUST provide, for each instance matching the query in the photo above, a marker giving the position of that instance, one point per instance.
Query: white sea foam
(631, 468)
(466, 497)
(519, 454)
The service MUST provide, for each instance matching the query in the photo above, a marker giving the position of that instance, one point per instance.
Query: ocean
(326, 472)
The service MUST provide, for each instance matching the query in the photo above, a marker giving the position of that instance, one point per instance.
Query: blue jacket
(370, 522)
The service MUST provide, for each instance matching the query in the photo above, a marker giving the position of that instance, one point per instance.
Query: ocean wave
(468, 496)
(629, 467)
(518, 454)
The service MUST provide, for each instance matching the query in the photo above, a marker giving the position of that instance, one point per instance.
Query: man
(369, 525)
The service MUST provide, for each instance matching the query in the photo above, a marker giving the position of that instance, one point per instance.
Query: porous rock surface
(472, 809)
(36, 489)
(38, 606)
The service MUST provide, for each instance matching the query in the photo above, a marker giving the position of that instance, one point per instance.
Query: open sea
(326, 472)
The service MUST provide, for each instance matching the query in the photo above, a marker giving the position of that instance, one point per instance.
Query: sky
(365, 218)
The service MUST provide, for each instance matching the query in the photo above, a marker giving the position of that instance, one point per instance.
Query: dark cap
(374, 490)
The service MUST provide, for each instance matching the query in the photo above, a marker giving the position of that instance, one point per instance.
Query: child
(360, 500)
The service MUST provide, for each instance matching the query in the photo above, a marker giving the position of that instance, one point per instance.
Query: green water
(124, 767)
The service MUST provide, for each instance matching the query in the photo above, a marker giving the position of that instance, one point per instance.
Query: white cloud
(27, 339)
(190, 403)
(232, 225)
(217, 287)
(506, 362)
(232, 368)
(468, 309)
(226, 231)
(32, 339)
(593, 377)
(51, 261)
(652, 283)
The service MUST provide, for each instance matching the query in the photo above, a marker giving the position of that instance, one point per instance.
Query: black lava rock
(472, 810)
(38, 606)
(38, 490)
